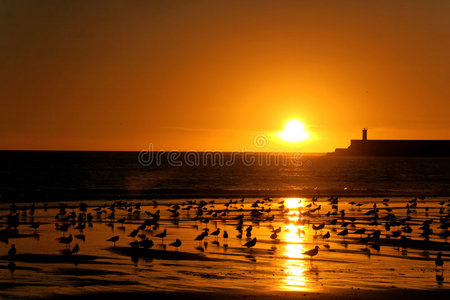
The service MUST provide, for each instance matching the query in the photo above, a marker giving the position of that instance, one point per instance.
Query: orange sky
(211, 75)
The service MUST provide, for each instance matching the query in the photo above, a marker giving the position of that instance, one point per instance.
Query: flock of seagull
(379, 214)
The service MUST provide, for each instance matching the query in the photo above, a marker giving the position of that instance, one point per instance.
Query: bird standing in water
(66, 240)
(343, 232)
(251, 243)
(216, 233)
(12, 251)
(360, 232)
(200, 237)
(439, 262)
(318, 227)
(35, 226)
(176, 244)
(75, 249)
(114, 239)
(162, 235)
(312, 252)
(274, 236)
(225, 237)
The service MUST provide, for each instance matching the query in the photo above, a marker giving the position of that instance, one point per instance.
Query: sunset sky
(212, 75)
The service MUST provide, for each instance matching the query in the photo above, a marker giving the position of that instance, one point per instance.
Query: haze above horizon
(221, 75)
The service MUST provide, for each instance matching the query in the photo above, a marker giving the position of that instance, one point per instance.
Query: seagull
(343, 232)
(114, 239)
(162, 235)
(278, 230)
(318, 227)
(12, 251)
(225, 237)
(75, 249)
(66, 240)
(200, 237)
(360, 231)
(146, 244)
(176, 244)
(439, 262)
(326, 235)
(205, 221)
(251, 243)
(216, 232)
(81, 237)
(134, 233)
(312, 252)
(35, 226)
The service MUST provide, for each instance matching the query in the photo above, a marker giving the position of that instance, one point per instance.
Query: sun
(294, 131)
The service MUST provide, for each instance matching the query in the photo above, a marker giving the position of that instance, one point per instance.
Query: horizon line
(182, 151)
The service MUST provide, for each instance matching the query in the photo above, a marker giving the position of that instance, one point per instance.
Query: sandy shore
(232, 294)
(398, 263)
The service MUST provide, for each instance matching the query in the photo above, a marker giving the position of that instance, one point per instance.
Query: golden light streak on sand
(294, 269)
(293, 203)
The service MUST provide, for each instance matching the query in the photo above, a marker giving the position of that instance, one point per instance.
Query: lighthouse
(364, 134)
(394, 148)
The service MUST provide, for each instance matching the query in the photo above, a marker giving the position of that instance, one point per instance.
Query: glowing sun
(294, 131)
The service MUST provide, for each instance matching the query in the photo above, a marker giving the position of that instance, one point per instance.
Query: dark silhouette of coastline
(405, 148)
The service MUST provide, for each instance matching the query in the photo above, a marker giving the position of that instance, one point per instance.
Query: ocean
(67, 175)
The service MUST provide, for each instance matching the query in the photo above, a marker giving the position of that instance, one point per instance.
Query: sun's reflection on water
(294, 234)
(295, 276)
(293, 203)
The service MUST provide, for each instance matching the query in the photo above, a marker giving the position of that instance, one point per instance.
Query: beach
(395, 262)
(224, 149)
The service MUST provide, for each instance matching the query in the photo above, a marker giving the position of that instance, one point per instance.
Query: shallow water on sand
(40, 267)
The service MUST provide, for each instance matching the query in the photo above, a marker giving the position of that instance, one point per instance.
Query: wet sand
(351, 266)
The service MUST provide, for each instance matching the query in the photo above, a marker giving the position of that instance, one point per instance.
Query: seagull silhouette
(35, 226)
(343, 232)
(12, 251)
(360, 231)
(162, 235)
(146, 244)
(439, 262)
(251, 243)
(176, 244)
(134, 233)
(66, 240)
(75, 249)
(312, 252)
(318, 227)
(200, 237)
(113, 239)
(216, 233)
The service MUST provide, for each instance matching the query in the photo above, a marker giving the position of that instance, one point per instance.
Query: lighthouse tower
(364, 134)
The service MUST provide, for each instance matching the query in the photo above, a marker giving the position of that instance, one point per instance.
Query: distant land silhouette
(405, 148)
